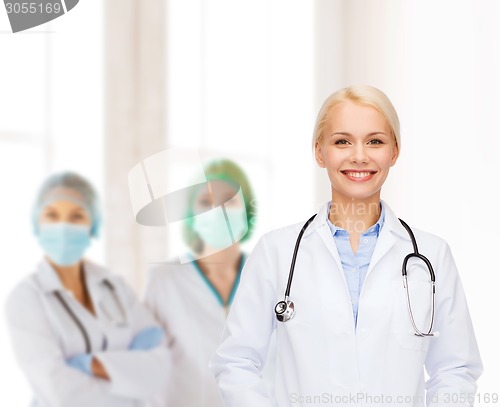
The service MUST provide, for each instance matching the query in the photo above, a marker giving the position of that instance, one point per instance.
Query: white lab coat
(193, 319)
(44, 335)
(323, 359)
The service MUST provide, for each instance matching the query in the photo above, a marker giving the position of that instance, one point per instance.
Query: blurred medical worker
(350, 330)
(78, 331)
(191, 300)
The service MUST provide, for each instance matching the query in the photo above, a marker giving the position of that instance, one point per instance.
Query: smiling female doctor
(351, 339)
(78, 332)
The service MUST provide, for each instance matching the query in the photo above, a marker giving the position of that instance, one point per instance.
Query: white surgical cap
(68, 186)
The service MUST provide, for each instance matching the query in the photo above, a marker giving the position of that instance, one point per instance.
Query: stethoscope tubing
(405, 282)
(408, 303)
(294, 257)
(285, 309)
(78, 322)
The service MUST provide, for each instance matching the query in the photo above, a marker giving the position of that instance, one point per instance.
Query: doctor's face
(64, 211)
(217, 229)
(216, 193)
(357, 151)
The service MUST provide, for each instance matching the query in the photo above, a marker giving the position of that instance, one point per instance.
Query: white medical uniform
(44, 335)
(192, 315)
(323, 358)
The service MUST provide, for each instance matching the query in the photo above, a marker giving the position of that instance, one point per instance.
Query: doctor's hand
(147, 339)
(82, 362)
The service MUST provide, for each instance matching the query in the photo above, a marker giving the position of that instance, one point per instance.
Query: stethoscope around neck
(285, 310)
(78, 322)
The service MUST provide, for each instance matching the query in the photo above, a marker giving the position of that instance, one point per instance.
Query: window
(51, 103)
(240, 85)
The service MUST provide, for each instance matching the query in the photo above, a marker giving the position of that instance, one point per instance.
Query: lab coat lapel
(320, 226)
(105, 299)
(385, 242)
(327, 238)
(94, 275)
(47, 278)
(389, 235)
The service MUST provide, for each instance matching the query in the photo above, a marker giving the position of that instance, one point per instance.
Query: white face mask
(217, 232)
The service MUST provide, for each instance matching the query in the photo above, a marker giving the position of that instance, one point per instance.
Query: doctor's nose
(359, 155)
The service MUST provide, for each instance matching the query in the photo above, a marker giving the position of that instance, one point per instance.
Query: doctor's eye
(342, 142)
(78, 216)
(75, 217)
(51, 216)
(231, 201)
(205, 202)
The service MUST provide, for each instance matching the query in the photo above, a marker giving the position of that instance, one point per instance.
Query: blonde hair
(363, 95)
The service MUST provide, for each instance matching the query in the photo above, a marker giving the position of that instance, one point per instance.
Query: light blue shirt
(356, 265)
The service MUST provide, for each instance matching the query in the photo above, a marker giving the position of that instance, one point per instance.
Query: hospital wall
(110, 84)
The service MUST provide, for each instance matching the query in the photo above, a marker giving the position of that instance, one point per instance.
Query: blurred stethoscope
(117, 322)
(286, 309)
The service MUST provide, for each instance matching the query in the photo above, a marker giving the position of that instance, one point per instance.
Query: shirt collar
(391, 222)
(372, 230)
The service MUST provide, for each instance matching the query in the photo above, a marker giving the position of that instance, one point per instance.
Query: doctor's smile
(358, 176)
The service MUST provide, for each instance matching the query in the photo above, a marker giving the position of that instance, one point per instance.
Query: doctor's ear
(395, 155)
(319, 156)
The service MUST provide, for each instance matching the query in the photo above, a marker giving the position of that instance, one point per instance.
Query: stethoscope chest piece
(284, 310)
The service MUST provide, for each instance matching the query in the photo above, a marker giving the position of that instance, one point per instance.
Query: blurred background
(113, 82)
